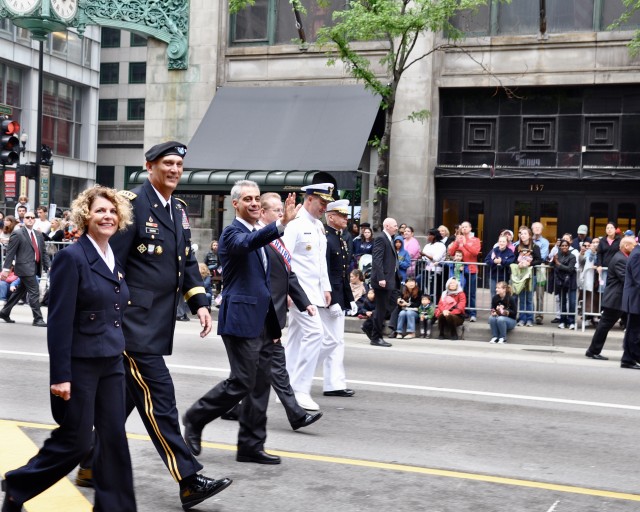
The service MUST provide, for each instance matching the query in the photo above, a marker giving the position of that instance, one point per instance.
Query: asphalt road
(436, 426)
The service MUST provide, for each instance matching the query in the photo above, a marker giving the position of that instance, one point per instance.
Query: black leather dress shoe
(39, 323)
(595, 356)
(631, 366)
(340, 392)
(192, 436)
(200, 488)
(259, 457)
(6, 318)
(306, 420)
(9, 505)
(380, 343)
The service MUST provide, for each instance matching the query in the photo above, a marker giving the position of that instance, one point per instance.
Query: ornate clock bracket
(166, 20)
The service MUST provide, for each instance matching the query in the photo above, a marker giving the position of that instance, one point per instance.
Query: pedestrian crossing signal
(9, 142)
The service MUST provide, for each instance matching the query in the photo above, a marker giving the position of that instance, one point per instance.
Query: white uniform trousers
(332, 352)
(304, 342)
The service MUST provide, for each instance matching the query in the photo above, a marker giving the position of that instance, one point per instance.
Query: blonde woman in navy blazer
(88, 294)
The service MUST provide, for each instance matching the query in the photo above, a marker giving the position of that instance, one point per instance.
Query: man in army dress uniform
(332, 353)
(156, 254)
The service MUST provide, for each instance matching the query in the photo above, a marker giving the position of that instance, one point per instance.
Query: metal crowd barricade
(546, 302)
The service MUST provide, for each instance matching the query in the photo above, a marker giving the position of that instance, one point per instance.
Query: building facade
(70, 99)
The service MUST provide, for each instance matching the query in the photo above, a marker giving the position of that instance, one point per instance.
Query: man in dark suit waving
(26, 253)
(248, 324)
(611, 298)
(384, 277)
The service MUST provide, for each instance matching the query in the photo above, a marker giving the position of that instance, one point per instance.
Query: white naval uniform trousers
(332, 352)
(306, 241)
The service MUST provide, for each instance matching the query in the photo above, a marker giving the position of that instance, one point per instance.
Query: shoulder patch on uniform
(182, 201)
(128, 194)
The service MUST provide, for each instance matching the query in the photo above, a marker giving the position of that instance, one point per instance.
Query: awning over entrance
(302, 128)
(220, 182)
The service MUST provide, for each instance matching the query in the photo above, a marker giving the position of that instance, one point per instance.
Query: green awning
(220, 182)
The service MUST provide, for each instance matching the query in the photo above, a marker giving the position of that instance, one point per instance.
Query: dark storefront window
(110, 37)
(105, 175)
(522, 17)
(273, 21)
(574, 131)
(135, 109)
(108, 110)
(109, 72)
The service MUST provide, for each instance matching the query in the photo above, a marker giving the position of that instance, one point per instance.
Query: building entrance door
(527, 210)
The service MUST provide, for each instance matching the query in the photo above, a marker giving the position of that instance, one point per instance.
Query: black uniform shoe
(306, 420)
(259, 457)
(595, 356)
(632, 366)
(38, 323)
(9, 505)
(199, 488)
(6, 318)
(380, 343)
(84, 478)
(192, 437)
(340, 392)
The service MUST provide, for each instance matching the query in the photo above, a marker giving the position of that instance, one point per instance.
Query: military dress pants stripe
(151, 389)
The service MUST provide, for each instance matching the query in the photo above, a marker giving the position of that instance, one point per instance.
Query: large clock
(65, 9)
(21, 6)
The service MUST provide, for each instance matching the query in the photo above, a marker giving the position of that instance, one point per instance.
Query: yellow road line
(380, 465)
(17, 448)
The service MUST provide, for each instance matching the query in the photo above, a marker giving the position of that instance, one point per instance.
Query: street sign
(6, 110)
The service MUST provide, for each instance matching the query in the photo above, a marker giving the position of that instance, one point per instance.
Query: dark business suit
(20, 251)
(611, 301)
(248, 324)
(156, 253)
(631, 305)
(284, 283)
(384, 267)
(85, 342)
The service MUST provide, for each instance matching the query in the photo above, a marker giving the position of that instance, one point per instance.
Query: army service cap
(322, 190)
(166, 148)
(341, 206)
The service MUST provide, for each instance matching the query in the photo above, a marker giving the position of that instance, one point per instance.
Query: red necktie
(35, 247)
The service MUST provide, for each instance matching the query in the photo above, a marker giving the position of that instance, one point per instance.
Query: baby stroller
(364, 264)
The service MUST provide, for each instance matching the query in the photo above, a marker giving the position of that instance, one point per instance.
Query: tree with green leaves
(398, 24)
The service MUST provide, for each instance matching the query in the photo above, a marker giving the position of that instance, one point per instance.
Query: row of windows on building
(271, 22)
(108, 109)
(61, 110)
(110, 73)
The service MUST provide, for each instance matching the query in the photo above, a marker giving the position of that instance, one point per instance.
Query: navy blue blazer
(246, 308)
(85, 308)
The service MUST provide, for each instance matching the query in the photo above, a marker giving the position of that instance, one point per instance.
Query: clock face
(21, 6)
(65, 9)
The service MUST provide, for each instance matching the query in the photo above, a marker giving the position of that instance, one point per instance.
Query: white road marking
(553, 507)
(392, 385)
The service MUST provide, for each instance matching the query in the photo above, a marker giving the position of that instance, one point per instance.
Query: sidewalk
(546, 335)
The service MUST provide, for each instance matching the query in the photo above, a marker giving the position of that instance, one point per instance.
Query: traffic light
(9, 142)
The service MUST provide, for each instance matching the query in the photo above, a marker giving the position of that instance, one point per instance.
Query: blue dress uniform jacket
(85, 316)
(85, 341)
(246, 308)
(338, 269)
(157, 257)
